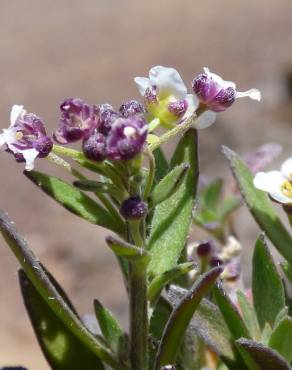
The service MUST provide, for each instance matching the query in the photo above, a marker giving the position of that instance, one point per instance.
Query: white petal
(280, 197)
(29, 156)
(17, 111)
(254, 94)
(193, 103)
(9, 137)
(205, 120)
(168, 82)
(286, 169)
(2, 140)
(143, 83)
(219, 80)
(268, 181)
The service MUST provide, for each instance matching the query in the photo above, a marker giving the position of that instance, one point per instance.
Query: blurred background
(93, 49)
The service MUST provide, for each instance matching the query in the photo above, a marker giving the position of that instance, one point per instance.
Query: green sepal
(74, 200)
(267, 288)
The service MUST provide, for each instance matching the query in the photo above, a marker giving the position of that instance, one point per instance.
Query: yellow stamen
(19, 135)
(286, 189)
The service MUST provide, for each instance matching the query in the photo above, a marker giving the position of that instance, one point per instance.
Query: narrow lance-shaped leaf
(249, 316)
(158, 283)
(100, 187)
(161, 169)
(62, 349)
(209, 325)
(128, 251)
(230, 313)
(42, 283)
(110, 327)
(171, 219)
(259, 357)
(267, 287)
(260, 206)
(281, 339)
(180, 318)
(169, 184)
(74, 200)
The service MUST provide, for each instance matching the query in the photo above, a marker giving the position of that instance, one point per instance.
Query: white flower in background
(278, 184)
(166, 97)
(26, 137)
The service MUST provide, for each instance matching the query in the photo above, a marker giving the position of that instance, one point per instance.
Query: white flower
(166, 96)
(278, 184)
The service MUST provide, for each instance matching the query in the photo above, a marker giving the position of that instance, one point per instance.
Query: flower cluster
(122, 134)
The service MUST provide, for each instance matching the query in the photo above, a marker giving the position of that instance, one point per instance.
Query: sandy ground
(93, 49)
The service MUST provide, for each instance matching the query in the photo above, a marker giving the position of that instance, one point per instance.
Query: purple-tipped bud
(130, 108)
(178, 108)
(126, 138)
(216, 261)
(213, 94)
(133, 208)
(205, 249)
(43, 145)
(78, 120)
(94, 147)
(106, 118)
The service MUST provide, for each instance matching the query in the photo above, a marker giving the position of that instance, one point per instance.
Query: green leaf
(128, 251)
(260, 206)
(287, 268)
(249, 316)
(74, 200)
(267, 288)
(259, 357)
(180, 318)
(210, 195)
(51, 294)
(161, 169)
(230, 313)
(169, 184)
(281, 339)
(62, 349)
(110, 327)
(100, 187)
(208, 323)
(171, 219)
(158, 283)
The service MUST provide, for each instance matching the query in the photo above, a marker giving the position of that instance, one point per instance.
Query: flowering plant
(186, 308)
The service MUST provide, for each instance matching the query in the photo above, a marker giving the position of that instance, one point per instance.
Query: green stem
(104, 168)
(104, 200)
(179, 129)
(151, 174)
(138, 317)
(153, 124)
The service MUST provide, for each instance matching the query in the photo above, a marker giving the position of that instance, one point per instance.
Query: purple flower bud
(216, 261)
(205, 249)
(178, 108)
(13, 368)
(106, 118)
(126, 138)
(26, 137)
(78, 120)
(214, 95)
(133, 208)
(94, 147)
(130, 108)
